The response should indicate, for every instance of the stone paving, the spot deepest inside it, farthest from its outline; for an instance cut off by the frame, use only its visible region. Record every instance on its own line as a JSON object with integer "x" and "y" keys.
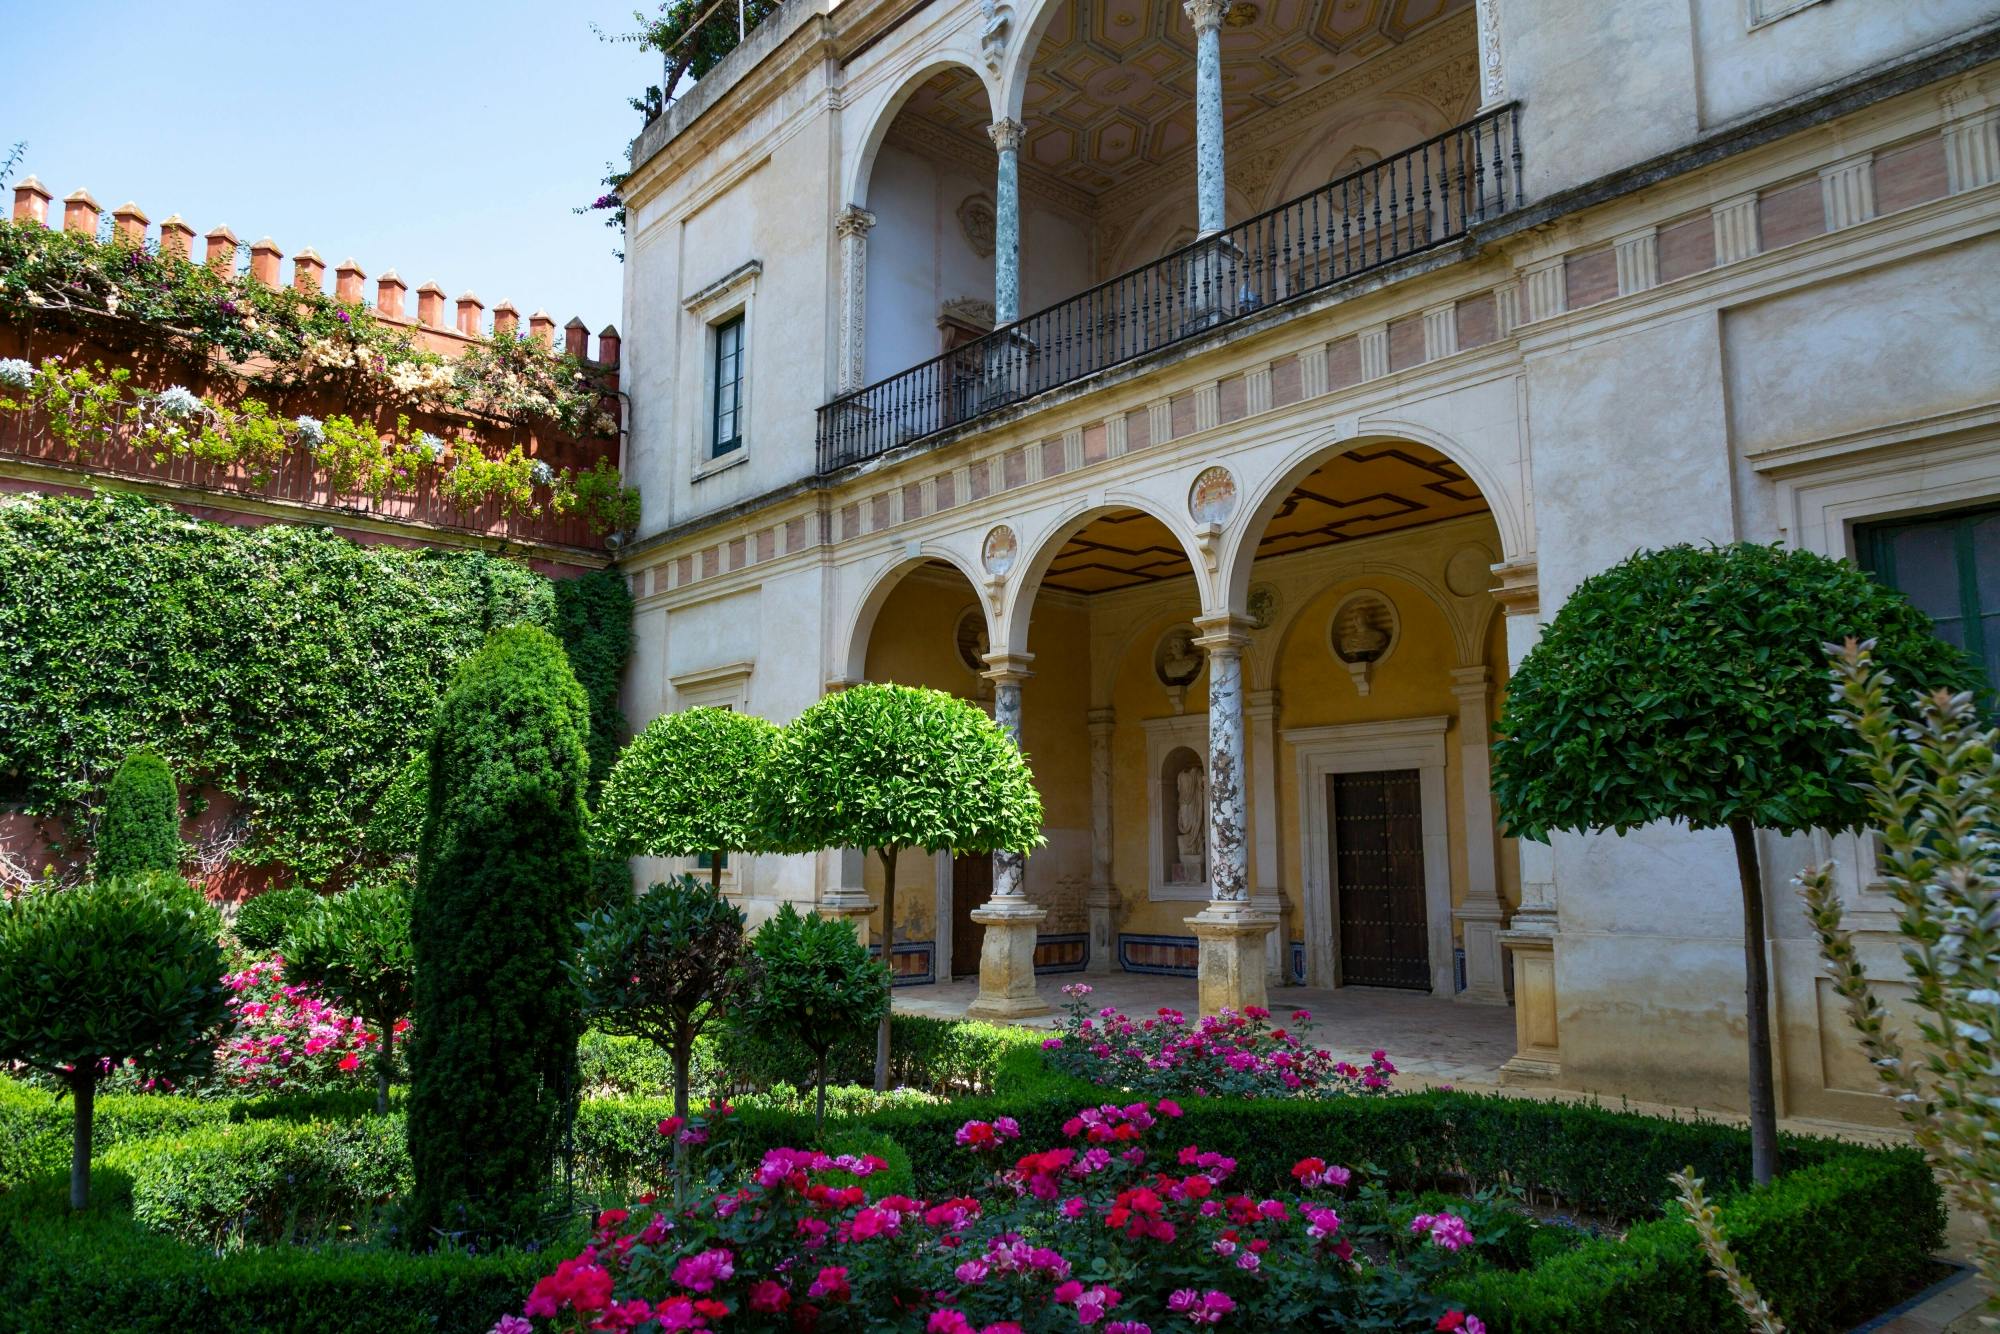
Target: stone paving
{"x": 1435, "y": 1040}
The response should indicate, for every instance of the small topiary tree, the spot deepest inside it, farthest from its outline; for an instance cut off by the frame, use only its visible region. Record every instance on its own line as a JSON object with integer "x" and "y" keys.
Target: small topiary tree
{"x": 355, "y": 947}
{"x": 109, "y": 971}
{"x": 264, "y": 919}
{"x": 141, "y": 827}
{"x": 687, "y": 786}
{"x": 1687, "y": 684}
{"x": 896, "y": 767}
{"x": 500, "y": 879}
{"x": 811, "y": 982}
{"x": 1933, "y": 788}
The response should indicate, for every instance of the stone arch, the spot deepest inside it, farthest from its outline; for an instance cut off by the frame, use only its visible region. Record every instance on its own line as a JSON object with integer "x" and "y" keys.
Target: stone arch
{"x": 853, "y": 659}
{"x": 1031, "y": 21}
{"x": 1231, "y": 583}
{"x": 883, "y": 108}
{"x": 1045, "y": 545}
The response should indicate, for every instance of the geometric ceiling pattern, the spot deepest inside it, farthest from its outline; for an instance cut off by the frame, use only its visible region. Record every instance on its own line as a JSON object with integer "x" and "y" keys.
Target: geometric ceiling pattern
{"x": 1365, "y": 493}
{"x": 1111, "y": 90}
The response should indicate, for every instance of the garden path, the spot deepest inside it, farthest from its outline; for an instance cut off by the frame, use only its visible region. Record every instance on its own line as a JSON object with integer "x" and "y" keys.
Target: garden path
{"x": 1434, "y": 1039}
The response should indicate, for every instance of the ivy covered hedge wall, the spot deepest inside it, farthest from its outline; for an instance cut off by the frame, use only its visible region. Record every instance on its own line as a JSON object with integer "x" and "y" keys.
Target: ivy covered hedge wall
{"x": 286, "y": 666}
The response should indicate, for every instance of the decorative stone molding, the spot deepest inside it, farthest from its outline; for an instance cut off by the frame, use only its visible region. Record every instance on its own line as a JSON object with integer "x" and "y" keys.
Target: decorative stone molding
{"x": 1006, "y": 135}
{"x": 1506, "y": 309}
{"x": 1206, "y": 15}
{"x": 1440, "y": 330}
{"x": 1481, "y": 914}
{"x": 1735, "y": 222}
{"x": 1361, "y": 633}
{"x": 1638, "y": 258}
{"x": 1971, "y": 138}
{"x": 1548, "y": 293}
{"x": 1847, "y": 191}
{"x": 1519, "y": 589}
{"x": 851, "y": 225}
{"x": 978, "y": 220}
{"x": 1374, "y": 345}
{"x": 995, "y": 21}
{"x": 1492, "y": 71}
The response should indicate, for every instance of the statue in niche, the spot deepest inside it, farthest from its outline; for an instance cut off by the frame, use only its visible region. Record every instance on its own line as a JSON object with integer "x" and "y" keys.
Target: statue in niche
{"x": 1190, "y": 819}
{"x": 1180, "y": 660}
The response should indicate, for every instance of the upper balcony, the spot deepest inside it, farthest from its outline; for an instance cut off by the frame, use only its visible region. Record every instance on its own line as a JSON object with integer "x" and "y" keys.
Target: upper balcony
{"x": 1355, "y": 139}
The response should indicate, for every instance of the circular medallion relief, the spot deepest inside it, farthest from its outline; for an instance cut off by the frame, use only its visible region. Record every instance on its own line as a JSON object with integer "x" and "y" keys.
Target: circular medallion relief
{"x": 1262, "y": 605}
{"x": 1212, "y": 498}
{"x": 1177, "y": 660}
{"x": 1363, "y": 629}
{"x": 970, "y": 639}
{"x": 1469, "y": 571}
{"x": 997, "y": 552}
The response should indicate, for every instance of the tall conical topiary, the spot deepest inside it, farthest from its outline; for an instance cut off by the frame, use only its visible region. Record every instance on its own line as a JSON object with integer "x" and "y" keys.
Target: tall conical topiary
{"x": 501, "y": 876}
{"x": 141, "y": 828}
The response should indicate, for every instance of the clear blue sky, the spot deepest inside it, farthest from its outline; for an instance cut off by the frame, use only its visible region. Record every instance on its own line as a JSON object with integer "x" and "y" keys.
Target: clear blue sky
{"x": 447, "y": 139}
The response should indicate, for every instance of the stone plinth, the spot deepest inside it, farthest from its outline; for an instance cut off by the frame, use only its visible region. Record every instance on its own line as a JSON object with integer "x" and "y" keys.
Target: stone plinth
{"x": 1007, "y": 961}
{"x": 852, "y": 906}
{"x": 1538, "y": 1055}
{"x": 1232, "y": 959}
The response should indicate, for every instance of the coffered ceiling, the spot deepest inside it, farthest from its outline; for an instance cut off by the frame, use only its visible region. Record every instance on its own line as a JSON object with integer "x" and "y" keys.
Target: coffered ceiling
{"x": 1111, "y": 94}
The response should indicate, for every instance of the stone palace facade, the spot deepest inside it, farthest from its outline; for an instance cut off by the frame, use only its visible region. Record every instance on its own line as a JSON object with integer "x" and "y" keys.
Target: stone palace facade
{"x": 1225, "y": 392}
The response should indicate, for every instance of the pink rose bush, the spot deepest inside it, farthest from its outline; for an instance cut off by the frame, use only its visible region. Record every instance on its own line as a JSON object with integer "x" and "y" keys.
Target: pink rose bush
{"x": 1103, "y": 1232}
{"x": 288, "y": 1039}
{"x": 1228, "y": 1054}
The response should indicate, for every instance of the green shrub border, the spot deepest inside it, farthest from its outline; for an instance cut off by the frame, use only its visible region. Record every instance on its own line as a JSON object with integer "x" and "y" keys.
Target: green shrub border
{"x": 1843, "y": 1235}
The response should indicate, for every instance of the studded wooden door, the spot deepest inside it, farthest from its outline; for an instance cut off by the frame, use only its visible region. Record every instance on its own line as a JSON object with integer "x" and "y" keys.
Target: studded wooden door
{"x": 1378, "y": 868}
{"x": 971, "y": 885}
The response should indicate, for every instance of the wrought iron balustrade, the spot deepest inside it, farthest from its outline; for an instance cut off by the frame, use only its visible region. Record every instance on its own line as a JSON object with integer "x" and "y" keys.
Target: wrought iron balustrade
{"x": 1421, "y": 197}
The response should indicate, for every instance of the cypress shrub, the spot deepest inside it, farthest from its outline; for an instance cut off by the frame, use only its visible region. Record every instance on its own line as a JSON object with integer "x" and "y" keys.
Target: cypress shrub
{"x": 141, "y": 828}
{"x": 502, "y": 872}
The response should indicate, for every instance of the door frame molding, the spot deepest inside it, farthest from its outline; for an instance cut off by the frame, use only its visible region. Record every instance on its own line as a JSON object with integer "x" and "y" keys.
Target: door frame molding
{"x": 1406, "y": 743}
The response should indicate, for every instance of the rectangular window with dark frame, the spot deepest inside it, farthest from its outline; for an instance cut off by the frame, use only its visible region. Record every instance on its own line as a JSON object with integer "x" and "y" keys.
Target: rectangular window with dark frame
{"x": 726, "y": 426}
{"x": 1949, "y": 565}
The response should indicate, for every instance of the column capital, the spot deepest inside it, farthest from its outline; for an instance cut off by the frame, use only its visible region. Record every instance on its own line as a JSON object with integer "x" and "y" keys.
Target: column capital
{"x": 1519, "y": 591}
{"x": 833, "y": 685}
{"x": 853, "y": 220}
{"x": 1101, "y": 721}
{"x": 1470, "y": 682}
{"x": 1008, "y": 668}
{"x": 1260, "y": 703}
{"x": 1224, "y": 632}
{"x": 1006, "y": 134}
{"x": 1206, "y": 15}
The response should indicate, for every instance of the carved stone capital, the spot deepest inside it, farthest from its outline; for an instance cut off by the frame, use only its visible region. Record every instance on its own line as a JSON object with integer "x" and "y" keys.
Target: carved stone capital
{"x": 853, "y": 221}
{"x": 1206, "y": 15}
{"x": 1006, "y": 135}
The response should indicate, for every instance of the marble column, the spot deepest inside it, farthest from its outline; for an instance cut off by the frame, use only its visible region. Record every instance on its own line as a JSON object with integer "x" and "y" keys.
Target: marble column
{"x": 1231, "y": 931}
{"x": 1006, "y": 135}
{"x": 1481, "y": 915}
{"x": 1531, "y": 938}
{"x": 851, "y": 226}
{"x": 1007, "y": 950}
{"x": 1261, "y": 711}
{"x": 1207, "y": 16}
{"x": 1101, "y": 899}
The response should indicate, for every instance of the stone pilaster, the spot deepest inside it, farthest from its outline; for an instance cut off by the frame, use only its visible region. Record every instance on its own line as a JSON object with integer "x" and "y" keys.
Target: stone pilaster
{"x": 1481, "y": 915}
{"x": 1207, "y": 16}
{"x": 846, "y": 892}
{"x": 1971, "y": 139}
{"x": 1231, "y": 931}
{"x": 851, "y": 226}
{"x": 1637, "y": 255}
{"x": 1007, "y": 952}
{"x": 1735, "y": 221}
{"x": 1548, "y": 292}
{"x": 1847, "y": 191}
{"x": 1101, "y": 899}
{"x": 1006, "y": 135}
{"x": 1492, "y": 72}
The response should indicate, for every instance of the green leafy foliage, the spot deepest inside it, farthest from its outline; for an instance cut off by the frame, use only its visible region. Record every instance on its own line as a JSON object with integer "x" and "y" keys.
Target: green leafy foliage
{"x": 593, "y": 618}
{"x": 660, "y": 966}
{"x": 693, "y": 36}
{"x": 396, "y": 825}
{"x": 1687, "y": 684}
{"x": 355, "y": 947}
{"x": 501, "y": 879}
{"x": 885, "y": 766}
{"x": 812, "y": 981}
{"x": 687, "y": 785}
{"x": 263, "y": 920}
{"x": 141, "y": 828}
{"x": 284, "y": 666}
{"x": 111, "y": 971}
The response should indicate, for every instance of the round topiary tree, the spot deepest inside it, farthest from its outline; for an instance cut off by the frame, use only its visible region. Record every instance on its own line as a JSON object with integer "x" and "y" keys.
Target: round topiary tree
{"x": 141, "y": 827}
{"x": 891, "y": 768}
{"x": 1690, "y": 684}
{"x": 686, "y": 787}
{"x": 501, "y": 875}
{"x": 811, "y": 981}
{"x": 113, "y": 970}
{"x": 355, "y": 947}
{"x": 263, "y": 920}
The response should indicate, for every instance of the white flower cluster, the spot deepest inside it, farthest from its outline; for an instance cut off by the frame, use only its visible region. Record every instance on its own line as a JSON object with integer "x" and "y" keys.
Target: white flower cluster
{"x": 312, "y": 431}
{"x": 178, "y": 401}
{"x": 333, "y": 355}
{"x": 542, "y": 474}
{"x": 431, "y": 446}
{"x": 16, "y": 373}
{"x": 417, "y": 378}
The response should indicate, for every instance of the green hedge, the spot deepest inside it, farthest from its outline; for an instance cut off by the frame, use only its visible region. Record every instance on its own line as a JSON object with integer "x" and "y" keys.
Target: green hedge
{"x": 35, "y": 1126}
{"x": 102, "y": 1270}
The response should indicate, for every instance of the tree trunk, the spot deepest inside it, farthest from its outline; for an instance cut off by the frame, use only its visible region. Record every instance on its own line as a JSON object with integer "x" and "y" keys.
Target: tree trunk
{"x": 384, "y": 1058}
{"x": 889, "y": 962}
{"x": 819, "y": 1116}
{"x": 83, "y": 1094}
{"x": 715, "y": 871}
{"x": 1757, "y": 1000}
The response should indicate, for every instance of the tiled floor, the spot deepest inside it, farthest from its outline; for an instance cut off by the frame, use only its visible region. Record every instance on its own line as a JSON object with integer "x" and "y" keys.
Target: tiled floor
{"x": 1436, "y": 1039}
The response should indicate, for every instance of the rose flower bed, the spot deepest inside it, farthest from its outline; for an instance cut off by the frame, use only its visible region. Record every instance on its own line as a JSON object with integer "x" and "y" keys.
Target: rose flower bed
{"x": 1097, "y": 1232}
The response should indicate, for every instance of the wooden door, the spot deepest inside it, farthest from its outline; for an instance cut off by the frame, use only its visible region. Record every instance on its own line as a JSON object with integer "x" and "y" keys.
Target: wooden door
{"x": 971, "y": 885}
{"x": 1378, "y": 868}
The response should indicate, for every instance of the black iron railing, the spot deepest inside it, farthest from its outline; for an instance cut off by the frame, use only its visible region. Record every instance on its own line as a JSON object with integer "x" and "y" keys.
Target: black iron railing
{"x": 1419, "y": 198}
